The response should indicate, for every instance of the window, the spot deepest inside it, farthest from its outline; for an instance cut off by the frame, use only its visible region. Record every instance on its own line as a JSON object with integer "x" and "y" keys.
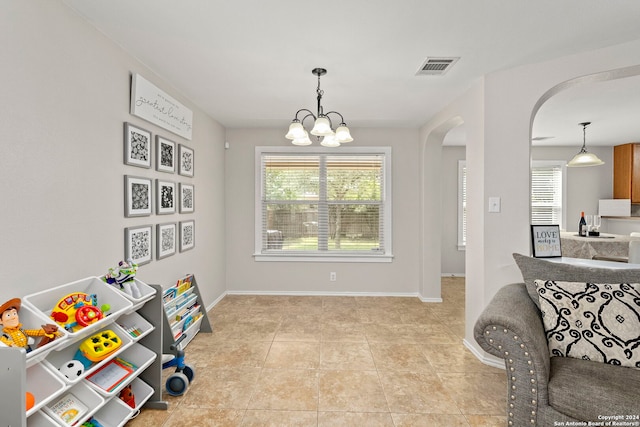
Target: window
{"x": 547, "y": 192}
{"x": 323, "y": 205}
{"x": 462, "y": 205}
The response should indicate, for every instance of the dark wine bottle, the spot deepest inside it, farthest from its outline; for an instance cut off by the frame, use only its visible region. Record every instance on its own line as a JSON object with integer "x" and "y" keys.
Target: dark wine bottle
{"x": 582, "y": 226}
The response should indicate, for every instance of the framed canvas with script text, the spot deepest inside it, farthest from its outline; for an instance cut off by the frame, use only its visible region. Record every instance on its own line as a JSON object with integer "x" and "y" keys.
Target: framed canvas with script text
{"x": 154, "y": 105}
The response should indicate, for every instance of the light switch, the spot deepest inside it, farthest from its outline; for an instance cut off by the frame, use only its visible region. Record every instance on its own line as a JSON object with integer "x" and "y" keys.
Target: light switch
{"x": 494, "y": 204}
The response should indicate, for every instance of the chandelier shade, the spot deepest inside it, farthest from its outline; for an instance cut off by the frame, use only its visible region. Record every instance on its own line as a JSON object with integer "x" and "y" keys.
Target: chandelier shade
{"x": 296, "y": 130}
{"x": 302, "y": 140}
{"x": 322, "y": 125}
{"x": 584, "y": 158}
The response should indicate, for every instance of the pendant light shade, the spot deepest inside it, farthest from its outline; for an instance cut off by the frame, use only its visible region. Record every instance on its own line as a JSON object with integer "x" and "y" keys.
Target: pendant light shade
{"x": 342, "y": 134}
{"x": 322, "y": 126}
{"x": 295, "y": 130}
{"x": 330, "y": 141}
{"x": 303, "y": 140}
{"x": 584, "y": 158}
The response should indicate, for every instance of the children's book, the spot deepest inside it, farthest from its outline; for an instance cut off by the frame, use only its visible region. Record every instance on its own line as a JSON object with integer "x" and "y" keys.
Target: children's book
{"x": 67, "y": 409}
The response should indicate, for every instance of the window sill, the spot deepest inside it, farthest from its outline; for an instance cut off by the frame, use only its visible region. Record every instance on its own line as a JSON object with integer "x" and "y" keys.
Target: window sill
{"x": 321, "y": 258}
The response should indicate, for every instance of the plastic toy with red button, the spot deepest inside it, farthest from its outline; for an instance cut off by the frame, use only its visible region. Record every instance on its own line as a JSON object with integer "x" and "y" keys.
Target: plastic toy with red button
{"x": 77, "y": 310}
{"x": 97, "y": 347}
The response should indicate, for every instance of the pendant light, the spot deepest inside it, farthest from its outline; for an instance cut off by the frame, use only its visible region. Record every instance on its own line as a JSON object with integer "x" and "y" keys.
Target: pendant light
{"x": 322, "y": 126}
{"x": 584, "y": 158}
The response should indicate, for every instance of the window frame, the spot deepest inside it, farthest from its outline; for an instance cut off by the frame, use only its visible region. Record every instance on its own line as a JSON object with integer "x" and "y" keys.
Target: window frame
{"x": 563, "y": 203}
{"x": 462, "y": 179}
{"x": 330, "y": 256}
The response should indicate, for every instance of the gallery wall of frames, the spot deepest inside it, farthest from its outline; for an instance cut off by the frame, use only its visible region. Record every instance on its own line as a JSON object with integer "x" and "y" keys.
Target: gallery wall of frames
{"x": 168, "y": 192}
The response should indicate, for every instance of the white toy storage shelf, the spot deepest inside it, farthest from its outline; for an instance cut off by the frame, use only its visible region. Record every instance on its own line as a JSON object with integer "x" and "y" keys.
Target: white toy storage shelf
{"x": 132, "y": 322}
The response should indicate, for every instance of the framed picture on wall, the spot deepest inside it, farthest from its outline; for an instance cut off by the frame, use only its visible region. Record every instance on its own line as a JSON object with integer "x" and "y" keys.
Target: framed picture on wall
{"x": 187, "y": 193}
{"x": 137, "y": 196}
{"x": 165, "y": 197}
{"x": 185, "y": 160}
{"x": 138, "y": 243}
{"x": 137, "y": 146}
{"x": 165, "y": 155}
{"x": 546, "y": 241}
{"x": 187, "y": 235}
{"x": 166, "y": 238}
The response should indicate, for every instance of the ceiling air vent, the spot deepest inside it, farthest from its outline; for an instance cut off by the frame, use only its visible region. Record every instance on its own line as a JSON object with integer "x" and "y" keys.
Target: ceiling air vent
{"x": 436, "y": 66}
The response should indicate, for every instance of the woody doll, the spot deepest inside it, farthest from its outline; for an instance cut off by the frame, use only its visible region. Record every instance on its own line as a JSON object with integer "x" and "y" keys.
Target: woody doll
{"x": 13, "y": 335}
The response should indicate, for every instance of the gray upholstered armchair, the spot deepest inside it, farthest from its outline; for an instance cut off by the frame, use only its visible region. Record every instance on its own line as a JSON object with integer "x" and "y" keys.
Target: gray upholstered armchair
{"x": 551, "y": 391}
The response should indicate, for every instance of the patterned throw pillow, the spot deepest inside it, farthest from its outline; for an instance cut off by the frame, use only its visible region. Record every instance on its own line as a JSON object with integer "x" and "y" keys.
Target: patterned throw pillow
{"x": 599, "y": 322}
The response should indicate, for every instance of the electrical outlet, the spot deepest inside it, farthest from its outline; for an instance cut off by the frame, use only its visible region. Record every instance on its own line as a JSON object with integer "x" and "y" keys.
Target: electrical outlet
{"x": 332, "y": 276}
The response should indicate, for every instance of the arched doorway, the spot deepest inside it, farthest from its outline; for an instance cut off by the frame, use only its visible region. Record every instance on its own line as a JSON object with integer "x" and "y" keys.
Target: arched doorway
{"x": 608, "y": 99}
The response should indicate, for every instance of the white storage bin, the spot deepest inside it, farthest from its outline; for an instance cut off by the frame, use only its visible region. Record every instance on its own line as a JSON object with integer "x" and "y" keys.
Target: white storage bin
{"x": 44, "y": 385}
{"x": 142, "y": 391}
{"x": 45, "y": 301}
{"x": 146, "y": 293}
{"x": 139, "y": 356}
{"x": 87, "y": 397}
{"x": 133, "y": 321}
{"x": 40, "y": 419}
{"x": 58, "y": 358}
{"x": 115, "y": 413}
{"x": 31, "y": 318}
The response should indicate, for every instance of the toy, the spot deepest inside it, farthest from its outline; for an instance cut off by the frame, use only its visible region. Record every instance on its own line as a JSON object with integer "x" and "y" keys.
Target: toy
{"x": 123, "y": 278}
{"x": 30, "y": 400}
{"x": 177, "y": 382}
{"x": 78, "y": 310}
{"x": 126, "y": 395}
{"x": 13, "y": 335}
{"x": 97, "y": 347}
{"x": 72, "y": 369}
{"x": 91, "y": 423}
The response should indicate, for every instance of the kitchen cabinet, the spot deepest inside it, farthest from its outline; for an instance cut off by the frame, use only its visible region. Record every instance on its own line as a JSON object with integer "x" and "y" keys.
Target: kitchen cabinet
{"x": 626, "y": 172}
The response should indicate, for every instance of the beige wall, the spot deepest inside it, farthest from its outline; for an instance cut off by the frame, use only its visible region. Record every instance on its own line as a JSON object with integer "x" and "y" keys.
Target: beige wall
{"x": 245, "y": 274}
{"x": 65, "y": 97}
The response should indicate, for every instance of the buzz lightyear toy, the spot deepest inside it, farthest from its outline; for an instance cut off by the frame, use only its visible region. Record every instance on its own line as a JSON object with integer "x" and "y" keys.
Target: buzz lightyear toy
{"x": 123, "y": 276}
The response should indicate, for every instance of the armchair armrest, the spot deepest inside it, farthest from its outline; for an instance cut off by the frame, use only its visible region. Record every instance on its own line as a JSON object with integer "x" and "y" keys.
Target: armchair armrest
{"x": 510, "y": 327}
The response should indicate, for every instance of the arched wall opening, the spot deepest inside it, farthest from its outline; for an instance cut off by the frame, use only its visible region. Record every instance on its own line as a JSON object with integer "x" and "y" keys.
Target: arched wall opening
{"x": 598, "y": 180}
{"x": 431, "y": 270}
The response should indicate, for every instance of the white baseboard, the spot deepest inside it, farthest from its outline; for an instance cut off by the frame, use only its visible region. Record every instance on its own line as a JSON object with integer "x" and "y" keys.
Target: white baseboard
{"x": 423, "y": 299}
{"x": 213, "y": 304}
{"x": 452, "y": 275}
{"x": 487, "y": 359}
{"x": 324, "y": 294}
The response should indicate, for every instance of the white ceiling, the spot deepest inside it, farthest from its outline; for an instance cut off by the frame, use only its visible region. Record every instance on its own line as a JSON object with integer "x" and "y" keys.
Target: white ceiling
{"x": 248, "y": 63}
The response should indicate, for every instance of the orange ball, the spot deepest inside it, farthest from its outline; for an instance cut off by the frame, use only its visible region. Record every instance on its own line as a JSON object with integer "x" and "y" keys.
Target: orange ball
{"x": 30, "y": 400}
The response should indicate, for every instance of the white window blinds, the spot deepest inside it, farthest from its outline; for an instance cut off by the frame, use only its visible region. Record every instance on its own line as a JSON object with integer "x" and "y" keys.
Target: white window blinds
{"x": 547, "y": 193}
{"x": 323, "y": 203}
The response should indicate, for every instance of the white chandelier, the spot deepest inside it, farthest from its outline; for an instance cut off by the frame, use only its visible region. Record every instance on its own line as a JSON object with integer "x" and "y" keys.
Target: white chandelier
{"x": 322, "y": 126}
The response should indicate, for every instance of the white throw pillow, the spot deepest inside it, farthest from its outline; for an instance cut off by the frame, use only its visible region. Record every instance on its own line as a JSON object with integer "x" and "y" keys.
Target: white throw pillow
{"x": 599, "y": 322}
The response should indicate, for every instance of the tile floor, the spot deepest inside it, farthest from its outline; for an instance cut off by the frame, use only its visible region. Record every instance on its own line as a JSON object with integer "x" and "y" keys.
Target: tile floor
{"x": 336, "y": 361}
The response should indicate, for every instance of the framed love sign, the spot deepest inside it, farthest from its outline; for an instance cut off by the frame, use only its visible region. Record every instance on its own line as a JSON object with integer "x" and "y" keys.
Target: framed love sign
{"x": 546, "y": 241}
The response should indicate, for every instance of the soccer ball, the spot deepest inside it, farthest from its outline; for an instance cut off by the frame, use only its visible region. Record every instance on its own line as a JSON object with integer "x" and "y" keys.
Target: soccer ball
{"x": 72, "y": 369}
